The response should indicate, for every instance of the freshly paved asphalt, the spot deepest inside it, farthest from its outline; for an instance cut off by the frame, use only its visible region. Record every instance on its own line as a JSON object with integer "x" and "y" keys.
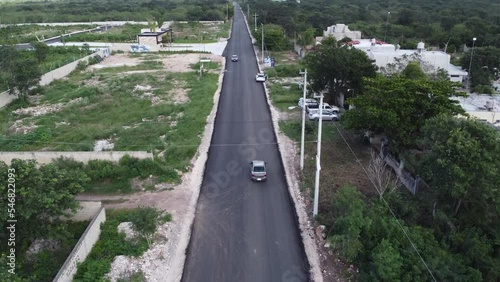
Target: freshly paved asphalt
{"x": 243, "y": 230}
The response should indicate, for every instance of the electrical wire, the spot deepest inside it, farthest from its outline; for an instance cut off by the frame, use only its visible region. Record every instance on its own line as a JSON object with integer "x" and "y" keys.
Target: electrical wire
{"x": 387, "y": 204}
{"x": 166, "y": 145}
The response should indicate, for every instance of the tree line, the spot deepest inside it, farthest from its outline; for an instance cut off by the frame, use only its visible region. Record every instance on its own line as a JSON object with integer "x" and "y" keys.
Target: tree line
{"x": 110, "y": 10}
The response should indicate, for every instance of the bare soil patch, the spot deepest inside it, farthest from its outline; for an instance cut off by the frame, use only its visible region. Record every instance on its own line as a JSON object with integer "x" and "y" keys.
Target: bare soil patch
{"x": 117, "y": 60}
{"x": 45, "y": 109}
{"x": 182, "y": 62}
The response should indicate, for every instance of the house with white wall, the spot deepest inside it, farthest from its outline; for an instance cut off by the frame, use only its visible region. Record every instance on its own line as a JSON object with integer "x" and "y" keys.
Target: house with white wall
{"x": 385, "y": 54}
{"x": 339, "y": 31}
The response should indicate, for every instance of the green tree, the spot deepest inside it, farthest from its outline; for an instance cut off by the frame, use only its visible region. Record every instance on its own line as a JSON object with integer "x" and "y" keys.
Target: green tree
{"x": 485, "y": 65}
{"x": 413, "y": 71}
{"x": 387, "y": 261}
{"x": 42, "y": 196}
{"x": 306, "y": 37}
{"x": 398, "y": 107}
{"x": 463, "y": 169}
{"x": 274, "y": 38}
{"x": 17, "y": 72}
{"x": 145, "y": 221}
{"x": 41, "y": 51}
{"x": 338, "y": 69}
{"x": 348, "y": 208}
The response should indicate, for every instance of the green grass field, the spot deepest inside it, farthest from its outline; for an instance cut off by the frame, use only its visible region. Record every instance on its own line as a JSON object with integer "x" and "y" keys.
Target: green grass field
{"x": 108, "y": 107}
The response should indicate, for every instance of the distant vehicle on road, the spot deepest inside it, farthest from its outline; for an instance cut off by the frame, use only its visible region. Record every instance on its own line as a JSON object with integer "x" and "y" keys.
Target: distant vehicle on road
{"x": 260, "y": 77}
{"x": 258, "y": 170}
{"x": 234, "y": 58}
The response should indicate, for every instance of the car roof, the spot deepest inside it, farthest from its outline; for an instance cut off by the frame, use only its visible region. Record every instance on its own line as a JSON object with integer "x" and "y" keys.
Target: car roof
{"x": 258, "y": 163}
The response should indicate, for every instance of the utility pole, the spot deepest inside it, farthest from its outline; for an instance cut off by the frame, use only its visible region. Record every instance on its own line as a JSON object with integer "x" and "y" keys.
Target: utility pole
{"x": 386, "y": 25}
{"x": 446, "y": 45}
{"x": 469, "y": 76}
{"x": 262, "y": 26}
{"x": 302, "y": 137}
{"x": 248, "y": 12}
{"x": 227, "y": 12}
{"x": 318, "y": 158}
{"x": 255, "y": 21}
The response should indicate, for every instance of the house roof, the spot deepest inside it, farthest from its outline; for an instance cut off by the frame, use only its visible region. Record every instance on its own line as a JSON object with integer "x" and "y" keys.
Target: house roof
{"x": 157, "y": 33}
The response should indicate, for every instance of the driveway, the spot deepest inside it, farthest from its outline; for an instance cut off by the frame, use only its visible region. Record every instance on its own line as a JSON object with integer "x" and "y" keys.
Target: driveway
{"x": 243, "y": 230}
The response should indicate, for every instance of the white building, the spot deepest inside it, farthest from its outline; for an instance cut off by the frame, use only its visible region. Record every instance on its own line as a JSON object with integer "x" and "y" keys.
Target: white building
{"x": 339, "y": 31}
{"x": 482, "y": 107}
{"x": 385, "y": 54}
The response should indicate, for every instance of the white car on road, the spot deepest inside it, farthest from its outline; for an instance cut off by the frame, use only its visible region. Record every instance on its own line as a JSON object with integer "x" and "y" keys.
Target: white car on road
{"x": 260, "y": 77}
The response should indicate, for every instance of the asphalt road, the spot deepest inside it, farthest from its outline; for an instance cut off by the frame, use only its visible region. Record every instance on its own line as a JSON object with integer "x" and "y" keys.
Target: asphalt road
{"x": 244, "y": 230}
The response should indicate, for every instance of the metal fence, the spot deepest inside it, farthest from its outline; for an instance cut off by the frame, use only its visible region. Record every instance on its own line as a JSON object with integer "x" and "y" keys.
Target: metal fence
{"x": 407, "y": 179}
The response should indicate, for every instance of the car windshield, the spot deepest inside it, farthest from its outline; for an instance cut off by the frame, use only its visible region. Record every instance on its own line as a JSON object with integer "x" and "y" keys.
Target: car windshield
{"x": 259, "y": 169}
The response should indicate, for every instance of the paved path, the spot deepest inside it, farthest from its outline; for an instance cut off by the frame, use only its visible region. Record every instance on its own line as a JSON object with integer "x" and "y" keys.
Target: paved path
{"x": 243, "y": 230}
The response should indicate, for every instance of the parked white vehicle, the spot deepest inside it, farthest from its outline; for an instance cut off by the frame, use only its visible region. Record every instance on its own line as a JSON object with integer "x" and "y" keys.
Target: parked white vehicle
{"x": 260, "y": 77}
{"x": 326, "y": 108}
{"x": 314, "y": 115}
{"x": 309, "y": 101}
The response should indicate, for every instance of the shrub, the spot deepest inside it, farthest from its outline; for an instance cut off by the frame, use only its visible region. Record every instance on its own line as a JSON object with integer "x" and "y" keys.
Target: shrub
{"x": 285, "y": 71}
{"x": 134, "y": 167}
{"x": 82, "y": 65}
{"x": 100, "y": 170}
{"x": 111, "y": 243}
{"x": 146, "y": 219}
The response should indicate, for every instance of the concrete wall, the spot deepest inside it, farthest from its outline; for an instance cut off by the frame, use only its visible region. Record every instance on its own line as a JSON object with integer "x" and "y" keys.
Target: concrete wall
{"x": 6, "y": 98}
{"x": 47, "y": 157}
{"x": 67, "y": 69}
{"x": 82, "y": 248}
{"x": 87, "y": 210}
{"x": 150, "y": 41}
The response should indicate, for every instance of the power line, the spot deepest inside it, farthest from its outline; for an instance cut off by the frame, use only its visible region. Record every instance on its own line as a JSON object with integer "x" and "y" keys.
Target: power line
{"x": 387, "y": 204}
{"x": 166, "y": 145}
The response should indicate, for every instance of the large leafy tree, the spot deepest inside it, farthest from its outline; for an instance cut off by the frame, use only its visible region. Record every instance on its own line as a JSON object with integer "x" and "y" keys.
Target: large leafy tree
{"x": 338, "y": 69}
{"x": 485, "y": 65}
{"x": 398, "y": 107}
{"x": 19, "y": 73}
{"x": 42, "y": 195}
{"x": 274, "y": 38}
{"x": 463, "y": 169}
{"x": 41, "y": 51}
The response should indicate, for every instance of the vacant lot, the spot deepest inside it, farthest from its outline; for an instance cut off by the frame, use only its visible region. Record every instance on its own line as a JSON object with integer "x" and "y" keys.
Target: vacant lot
{"x": 124, "y": 33}
{"x": 196, "y": 32}
{"x": 56, "y": 57}
{"x": 145, "y": 102}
